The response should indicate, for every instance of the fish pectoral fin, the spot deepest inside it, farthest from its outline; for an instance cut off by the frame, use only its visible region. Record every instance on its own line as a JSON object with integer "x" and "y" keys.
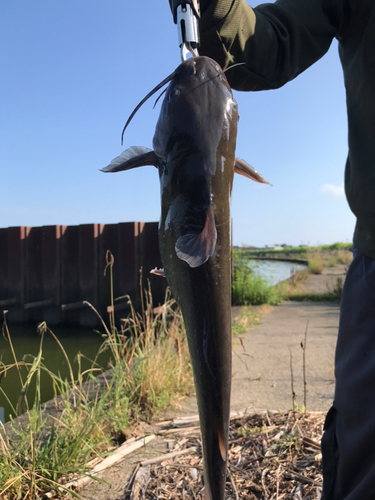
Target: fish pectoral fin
{"x": 197, "y": 248}
{"x": 158, "y": 272}
{"x": 243, "y": 168}
{"x": 133, "y": 157}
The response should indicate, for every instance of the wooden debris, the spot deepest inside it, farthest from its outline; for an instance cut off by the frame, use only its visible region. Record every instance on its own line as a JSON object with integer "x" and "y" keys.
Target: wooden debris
{"x": 302, "y": 479}
{"x": 116, "y": 456}
{"x": 272, "y": 455}
{"x": 194, "y": 419}
{"x": 233, "y": 485}
{"x": 182, "y": 430}
{"x": 310, "y": 442}
{"x": 140, "y": 483}
{"x": 168, "y": 456}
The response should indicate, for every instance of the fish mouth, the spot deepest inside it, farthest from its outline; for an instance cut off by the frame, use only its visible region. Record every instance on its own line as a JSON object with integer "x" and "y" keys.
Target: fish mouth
{"x": 192, "y": 64}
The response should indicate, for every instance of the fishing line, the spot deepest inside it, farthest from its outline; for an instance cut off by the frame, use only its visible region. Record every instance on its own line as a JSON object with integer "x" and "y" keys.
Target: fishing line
{"x": 233, "y": 66}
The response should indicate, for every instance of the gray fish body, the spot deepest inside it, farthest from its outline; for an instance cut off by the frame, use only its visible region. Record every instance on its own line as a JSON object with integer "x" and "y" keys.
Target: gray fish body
{"x": 197, "y": 145}
{"x": 194, "y": 151}
{"x": 201, "y": 293}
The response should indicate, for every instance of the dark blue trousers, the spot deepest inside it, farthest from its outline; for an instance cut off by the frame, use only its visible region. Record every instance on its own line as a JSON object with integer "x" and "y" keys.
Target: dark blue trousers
{"x": 348, "y": 444}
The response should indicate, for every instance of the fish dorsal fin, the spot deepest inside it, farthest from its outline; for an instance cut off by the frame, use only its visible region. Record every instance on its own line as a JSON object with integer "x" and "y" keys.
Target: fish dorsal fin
{"x": 243, "y": 168}
{"x": 133, "y": 157}
{"x": 197, "y": 248}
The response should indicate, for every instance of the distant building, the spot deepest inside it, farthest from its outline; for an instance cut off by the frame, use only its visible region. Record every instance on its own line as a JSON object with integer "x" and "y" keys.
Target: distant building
{"x": 243, "y": 247}
{"x": 273, "y": 247}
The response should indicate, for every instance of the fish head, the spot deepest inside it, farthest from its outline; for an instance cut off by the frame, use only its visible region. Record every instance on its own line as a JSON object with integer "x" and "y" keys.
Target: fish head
{"x": 195, "y": 141}
{"x": 198, "y": 108}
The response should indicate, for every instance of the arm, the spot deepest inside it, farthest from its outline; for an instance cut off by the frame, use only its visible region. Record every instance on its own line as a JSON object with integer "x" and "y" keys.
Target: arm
{"x": 277, "y": 41}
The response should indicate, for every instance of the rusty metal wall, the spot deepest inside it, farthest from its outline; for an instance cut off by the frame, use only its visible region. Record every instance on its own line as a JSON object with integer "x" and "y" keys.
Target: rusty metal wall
{"x": 47, "y": 272}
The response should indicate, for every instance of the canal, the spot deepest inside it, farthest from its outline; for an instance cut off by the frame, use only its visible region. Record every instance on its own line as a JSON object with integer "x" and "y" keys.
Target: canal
{"x": 26, "y": 343}
{"x": 275, "y": 270}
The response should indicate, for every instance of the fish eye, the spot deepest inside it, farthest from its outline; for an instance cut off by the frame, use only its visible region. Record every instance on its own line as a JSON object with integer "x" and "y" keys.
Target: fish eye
{"x": 174, "y": 93}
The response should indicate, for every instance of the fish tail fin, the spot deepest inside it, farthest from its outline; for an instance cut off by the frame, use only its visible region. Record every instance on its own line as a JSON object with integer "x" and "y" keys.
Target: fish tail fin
{"x": 197, "y": 248}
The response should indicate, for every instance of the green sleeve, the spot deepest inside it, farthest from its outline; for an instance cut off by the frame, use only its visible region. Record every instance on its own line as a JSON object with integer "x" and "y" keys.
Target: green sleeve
{"x": 277, "y": 41}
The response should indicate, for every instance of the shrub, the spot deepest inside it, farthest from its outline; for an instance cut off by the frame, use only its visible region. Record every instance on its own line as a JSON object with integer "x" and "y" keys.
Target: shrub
{"x": 344, "y": 257}
{"x": 331, "y": 261}
{"x": 251, "y": 289}
{"x": 315, "y": 263}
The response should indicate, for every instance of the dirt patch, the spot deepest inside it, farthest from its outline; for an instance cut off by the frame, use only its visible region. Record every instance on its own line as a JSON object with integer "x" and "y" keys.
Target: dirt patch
{"x": 327, "y": 281}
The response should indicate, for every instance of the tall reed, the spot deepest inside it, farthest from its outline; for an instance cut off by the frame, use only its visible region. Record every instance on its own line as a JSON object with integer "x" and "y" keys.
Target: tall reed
{"x": 149, "y": 369}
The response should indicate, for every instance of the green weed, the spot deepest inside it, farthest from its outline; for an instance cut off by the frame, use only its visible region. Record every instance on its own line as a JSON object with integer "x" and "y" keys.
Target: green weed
{"x": 248, "y": 316}
{"x": 287, "y": 252}
{"x": 245, "y": 431}
{"x": 249, "y": 288}
{"x": 315, "y": 297}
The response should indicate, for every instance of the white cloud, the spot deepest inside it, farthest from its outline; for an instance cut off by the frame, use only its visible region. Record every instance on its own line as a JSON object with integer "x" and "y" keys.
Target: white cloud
{"x": 334, "y": 191}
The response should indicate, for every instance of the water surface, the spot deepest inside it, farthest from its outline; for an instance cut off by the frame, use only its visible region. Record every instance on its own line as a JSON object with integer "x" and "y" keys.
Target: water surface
{"x": 26, "y": 343}
{"x": 275, "y": 270}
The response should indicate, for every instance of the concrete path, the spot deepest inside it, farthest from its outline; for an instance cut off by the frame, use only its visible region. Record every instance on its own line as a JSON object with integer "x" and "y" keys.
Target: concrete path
{"x": 261, "y": 358}
{"x": 261, "y": 374}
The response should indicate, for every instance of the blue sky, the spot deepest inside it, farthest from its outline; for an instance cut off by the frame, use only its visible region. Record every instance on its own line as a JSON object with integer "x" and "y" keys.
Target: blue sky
{"x": 71, "y": 71}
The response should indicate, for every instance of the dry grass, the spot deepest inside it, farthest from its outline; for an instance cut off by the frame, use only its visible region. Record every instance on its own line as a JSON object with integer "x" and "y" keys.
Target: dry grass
{"x": 150, "y": 369}
{"x": 249, "y": 316}
{"x": 295, "y": 284}
{"x": 334, "y": 257}
{"x": 315, "y": 263}
{"x": 344, "y": 257}
{"x": 160, "y": 361}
